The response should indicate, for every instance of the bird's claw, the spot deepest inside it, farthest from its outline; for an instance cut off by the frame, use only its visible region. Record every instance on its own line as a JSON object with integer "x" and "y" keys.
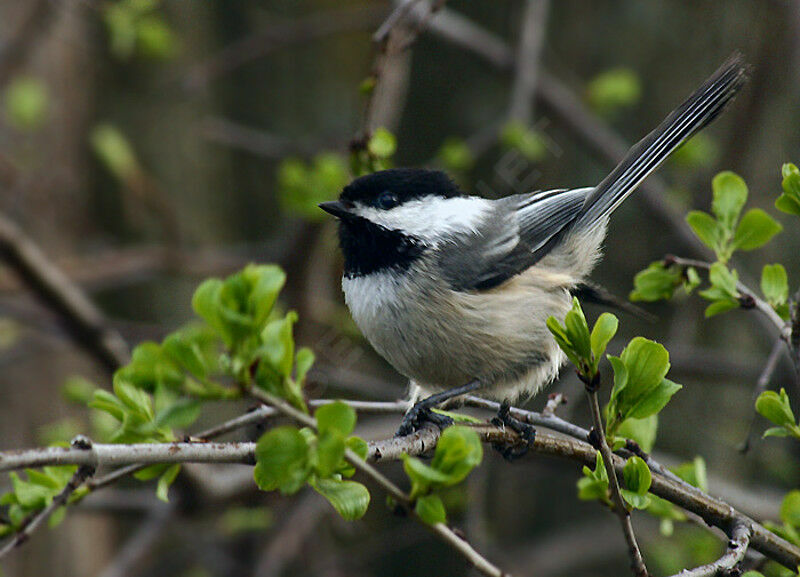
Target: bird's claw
{"x": 515, "y": 450}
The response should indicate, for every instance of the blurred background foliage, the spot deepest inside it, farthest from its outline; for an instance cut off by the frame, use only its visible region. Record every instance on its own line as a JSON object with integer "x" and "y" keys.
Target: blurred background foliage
{"x": 147, "y": 144}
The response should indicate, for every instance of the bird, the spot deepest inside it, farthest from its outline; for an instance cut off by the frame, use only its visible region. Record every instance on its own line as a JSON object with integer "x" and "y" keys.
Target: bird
{"x": 454, "y": 290}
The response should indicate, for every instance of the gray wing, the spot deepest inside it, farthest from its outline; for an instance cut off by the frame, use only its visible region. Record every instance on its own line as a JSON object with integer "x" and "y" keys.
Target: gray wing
{"x": 511, "y": 239}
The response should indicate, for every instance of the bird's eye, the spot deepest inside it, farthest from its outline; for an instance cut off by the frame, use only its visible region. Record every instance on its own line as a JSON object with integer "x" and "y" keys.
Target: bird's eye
{"x": 387, "y": 200}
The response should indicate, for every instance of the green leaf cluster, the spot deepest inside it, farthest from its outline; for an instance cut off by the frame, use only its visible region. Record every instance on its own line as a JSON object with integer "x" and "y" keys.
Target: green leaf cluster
{"x": 301, "y": 186}
{"x": 288, "y": 458}
{"x": 137, "y": 28}
{"x": 34, "y": 493}
{"x": 660, "y": 280}
{"x": 776, "y": 409}
{"x": 723, "y": 292}
{"x": 458, "y": 452}
{"x": 636, "y": 478}
{"x": 375, "y": 154}
{"x": 724, "y": 232}
{"x": 641, "y": 388}
{"x": 789, "y": 201}
{"x": 583, "y": 348}
{"x": 528, "y": 142}
{"x": 260, "y": 343}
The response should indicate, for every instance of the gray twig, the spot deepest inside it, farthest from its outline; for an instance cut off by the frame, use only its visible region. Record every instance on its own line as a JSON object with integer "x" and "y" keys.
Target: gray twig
{"x": 620, "y": 507}
{"x": 55, "y": 289}
{"x": 761, "y": 386}
{"x": 737, "y": 549}
{"x": 528, "y": 55}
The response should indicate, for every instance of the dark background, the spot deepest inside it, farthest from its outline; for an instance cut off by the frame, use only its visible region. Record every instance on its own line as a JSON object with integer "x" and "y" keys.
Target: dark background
{"x": 211, "y": 102}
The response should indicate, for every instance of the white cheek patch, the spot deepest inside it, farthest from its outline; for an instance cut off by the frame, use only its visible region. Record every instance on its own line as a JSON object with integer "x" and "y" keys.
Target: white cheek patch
{"x": 431, "y": 218}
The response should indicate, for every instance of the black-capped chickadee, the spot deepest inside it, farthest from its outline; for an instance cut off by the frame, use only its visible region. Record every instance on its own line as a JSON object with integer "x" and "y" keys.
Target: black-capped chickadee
{"x": 454, "y": 290}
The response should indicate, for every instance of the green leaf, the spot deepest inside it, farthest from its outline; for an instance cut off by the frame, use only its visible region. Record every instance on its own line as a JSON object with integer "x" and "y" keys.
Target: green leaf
{"x": 636, "y": 475}
{"x": 655, "y": 283}
{"x": 655, "y": 400}
{"x": 752, "y": 573}
{"x": 114, "y": 151}
{"x": 603, "y": 331}
{"x": 789, "y": 201}
{"x": 337, "y": 417}
{"x": 730, "y": 195}
{"x": 705, "y": 227}
{"x": 777, "y": 432}
{"x": 382, "y": 144}
{"x": 721, "y": 306}
{"x": 594, "y": 483}
{"x": 635, "y": 500}
{"x": 266, "y": 282}
{"x": 776, "y": 408}
{"x": 350, "y": 499}
{"x": 643, "y": 431}
{"x": 304, "y": 360}
{"x": 612, "y": 90}
{"x": 578, "y": 331}
{"x": 455, "y": 155}
{"x": 527, "y": 142}
{"x": 422, "y": 476}
{"x": 692, "y": 280}
{"x": 26, "y": 103}
{"x": 775, "y": 284}
{"x": 694, "y": 473}
{"x": 458, "y": 452}
{"x": 180, "y": 414}
{"x": 166, "y": 481}
{"x": 329, "y": 453}
{"x": 430, "y": 509}
{"x": 755, "y": 230}
{"x": 358, "y": 446}
{"x": 790, "y": 509}
{"x": 278, "y": 344}
{"x": 788, "y": 204}
{"x": 724, "y": 279}
{"x": 282, "y": 460}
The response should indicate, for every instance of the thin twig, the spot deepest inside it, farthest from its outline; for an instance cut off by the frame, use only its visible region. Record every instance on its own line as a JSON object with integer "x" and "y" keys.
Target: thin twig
{"x": 761, "y": 386}
{"x": 33, "y": 522}
{"x": 763, "y": 307}
{"x": 282, "y": 34}
{"x": 734, "y": 554}
{"x": 620, "y": 507}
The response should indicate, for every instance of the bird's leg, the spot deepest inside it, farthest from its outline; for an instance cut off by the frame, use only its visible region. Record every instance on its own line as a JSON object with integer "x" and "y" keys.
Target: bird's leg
{"x": 421, "y": 412}
{"x": 512, "y": 452}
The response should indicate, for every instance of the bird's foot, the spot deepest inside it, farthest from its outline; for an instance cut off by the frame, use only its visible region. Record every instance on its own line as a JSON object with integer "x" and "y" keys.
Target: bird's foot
{"x": 422, "y": 411}
{"x": 417, "y": 416}
{"x": 513, "y": 450}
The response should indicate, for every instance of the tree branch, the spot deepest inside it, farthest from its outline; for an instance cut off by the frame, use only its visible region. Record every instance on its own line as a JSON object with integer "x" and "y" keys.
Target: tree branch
{"x": 620, "y": 507}
{"x": 784, "y": 329}
{"x": 713, "y": 511}
{"x": 55, "y": 289}
{"x": 737, "y": 549}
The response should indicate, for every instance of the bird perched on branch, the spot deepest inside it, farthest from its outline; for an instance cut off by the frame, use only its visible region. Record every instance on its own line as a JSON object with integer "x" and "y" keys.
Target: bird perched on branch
{"x": 454, "y": 290}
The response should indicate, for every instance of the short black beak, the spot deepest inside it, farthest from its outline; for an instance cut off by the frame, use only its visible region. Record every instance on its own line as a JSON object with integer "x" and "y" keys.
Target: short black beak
{"x": 337, "y": 208}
